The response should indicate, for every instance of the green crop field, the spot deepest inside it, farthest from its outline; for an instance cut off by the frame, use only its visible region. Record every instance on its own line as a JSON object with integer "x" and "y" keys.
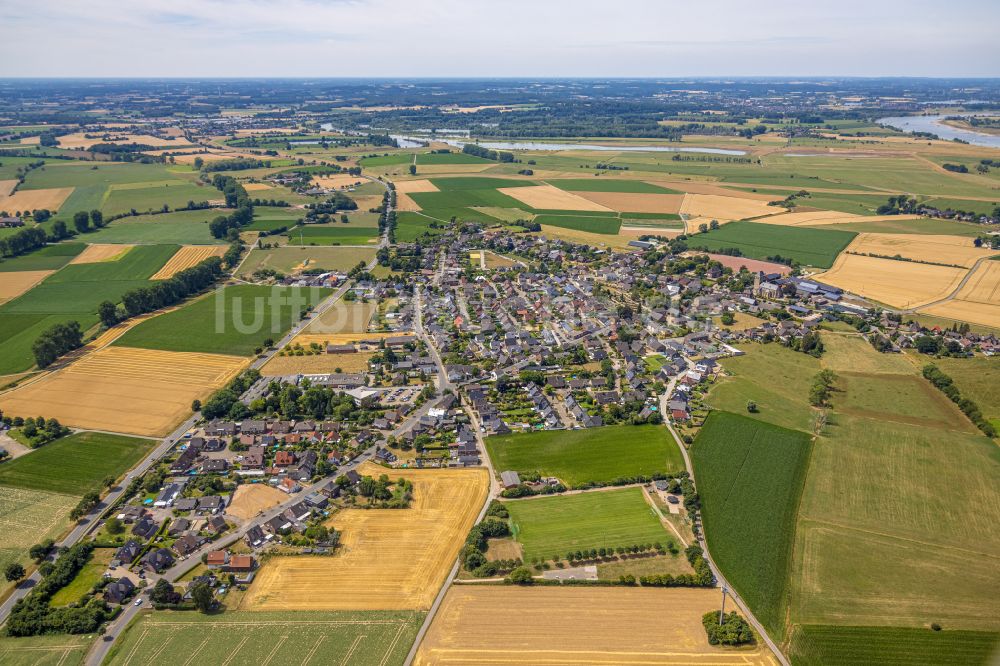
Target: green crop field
{"x": 898, "y": 482}
{"x": 75, "y": 464}
{"x": 749, "y": 477}
{"x": 72, "y": 293}
{"x": 474, "y": 183}
{"x": 234, "y": 320}
{"x": 552, "y": 526}
{"x": 411, "y": 226}
{"x": 450, "y": 158}
{"x": 48, "y": 258}
{"x": 828, "y": 645}
{"x": 174, "y": 194}
{"x": 590, "y": 455}
{"x": 387, "y": 160}
{"x": 187, "y": 227}
{"x": 59, "y": 650}
{"x": 609, "y": 185}
{"x": 361, "y": 638}
{"x": 582, "y": 222}
{"x": 813, "y": 247}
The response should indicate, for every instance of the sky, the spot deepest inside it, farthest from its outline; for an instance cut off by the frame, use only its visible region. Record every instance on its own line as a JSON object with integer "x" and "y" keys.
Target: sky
{"x": 498, "y": 38}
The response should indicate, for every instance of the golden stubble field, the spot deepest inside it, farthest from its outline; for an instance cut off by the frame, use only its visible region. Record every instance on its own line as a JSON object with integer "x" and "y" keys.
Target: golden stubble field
{"x": 251, "y": 498}
{"x": 27, "y": 200}
{"x": 938, "y": 249}
{"x": 577, "y": 626}
{"x": 629, "y": 202}
{"x": 549, "y": 197}
{"x": 16, "y": 283}
{"x": 97, "y": 253}
{"x": 389, "y": 559}
{"x": 978, "y": 301}
{"x": 901, "y": 284}
{"x": 715, "y": 206}
{"x": 121, "y": 389}
{"x": 339, "y": 180}
{"x": 186, "y": 257}
{"x": 315, "y": 364}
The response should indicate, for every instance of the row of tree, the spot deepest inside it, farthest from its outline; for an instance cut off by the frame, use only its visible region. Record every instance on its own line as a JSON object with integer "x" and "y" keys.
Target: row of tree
{"x": 487, "y": 154}
{"x": 946, "y": 385}
{"x": 164, "y": 293}
{"x": 56, "y": 341}
{"x": 33, "y": 616}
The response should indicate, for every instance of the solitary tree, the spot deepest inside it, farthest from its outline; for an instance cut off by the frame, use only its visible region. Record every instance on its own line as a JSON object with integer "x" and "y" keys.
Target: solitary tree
{"x": 201, "y": 595}
{"x": 14, "y": 572}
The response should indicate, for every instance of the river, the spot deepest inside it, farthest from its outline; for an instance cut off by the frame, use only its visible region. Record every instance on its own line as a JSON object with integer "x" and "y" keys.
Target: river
{"x": 934, "y": 125}
{"x": 415, "y": 141}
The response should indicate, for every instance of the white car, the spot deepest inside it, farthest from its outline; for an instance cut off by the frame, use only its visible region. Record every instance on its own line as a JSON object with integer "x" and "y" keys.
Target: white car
{"x": 138, "y": 602}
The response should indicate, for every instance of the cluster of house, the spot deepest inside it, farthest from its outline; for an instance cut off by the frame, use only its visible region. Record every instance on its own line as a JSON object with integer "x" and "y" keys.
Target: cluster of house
{"x": 10, "y": 222}
{"x": 294, "y": 518}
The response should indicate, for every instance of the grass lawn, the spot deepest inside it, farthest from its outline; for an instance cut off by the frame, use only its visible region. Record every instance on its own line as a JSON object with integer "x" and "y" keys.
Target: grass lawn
{"x": 552, "y": 526}
{"x": 977, "y": 378}
{"x": 829, "y": 645}
{"x": 84, "y": 581}
{"x": 75, "y": 464}
{"x": 775, "y": 377}
{"x": 175, "y": 193}
{"x": 646, "y": 566}
{"x": 450, "y": 158}
{"x": 369, "y": 638}
{"x": 590, "y": 455}
{"x": 749, "y": 476}
{"x": 812, "y": 247}
{"x": 332, "y": 234}
{"x": 292, "y": 257}
{"x": 234, "y": 321}
{"x": 58, "y": 650}
{"x": 900, "y": 398}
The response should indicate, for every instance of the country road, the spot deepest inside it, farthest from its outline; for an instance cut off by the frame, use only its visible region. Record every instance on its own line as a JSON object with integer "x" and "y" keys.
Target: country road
{"x": 699, "y": 533}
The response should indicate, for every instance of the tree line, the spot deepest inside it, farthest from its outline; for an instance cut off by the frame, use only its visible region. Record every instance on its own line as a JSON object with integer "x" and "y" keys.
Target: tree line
{"x": 56, "y": 341}
{"x": 486, "y": 153}
{"x": 946, "y": 385}
{"x": 162, "y": 293}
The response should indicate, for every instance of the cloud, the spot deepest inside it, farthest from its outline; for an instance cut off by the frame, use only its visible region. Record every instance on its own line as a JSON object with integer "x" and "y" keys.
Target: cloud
{"x": 489, "y": 38}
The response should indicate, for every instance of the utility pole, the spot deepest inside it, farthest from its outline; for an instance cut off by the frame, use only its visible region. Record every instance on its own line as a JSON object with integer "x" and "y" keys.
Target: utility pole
{"x": 722, "y": 611}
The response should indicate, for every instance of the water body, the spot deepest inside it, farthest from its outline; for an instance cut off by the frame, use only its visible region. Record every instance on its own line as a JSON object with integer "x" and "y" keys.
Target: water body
{"x": 415, "y": 142}
{"x": 934, "y": 125}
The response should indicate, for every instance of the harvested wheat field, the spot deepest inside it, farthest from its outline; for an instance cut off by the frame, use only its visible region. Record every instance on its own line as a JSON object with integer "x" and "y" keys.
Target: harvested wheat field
{"x": 825, "y": 217}
{"x": 978, "y": 301}
{"x": 570, "y": 626}
{"x": 121, "y": 389}
{"x": 389, "y": 559}
{"x": 25, "y": 200}
{"x": 305, "y": 339}
{"x": 700, "y": 187}
{"x": 186, "y": 257}
{"x": 256, "y": 187}
{"x": 252, "y": 498}
{"x": 718, "y": 207}
{"x": 339, "y": 180}
{"x": 7, "y": 186}
{"x": 577, "y": 236}
{"x": 316, "y": 364}
{"x": 342, "y": 317}
{"x": 415, "y": 186}
{"x": 16, "y": 283}
{"x": 954, "y": 250}
{"x": 97, "y": 253}
{"x": 901, "y": 284}
{"x": 80, "y": 140}
{"x": 404, "y": 188}
{"x": 626, "y": 202}
{"x": 549, "y": 197}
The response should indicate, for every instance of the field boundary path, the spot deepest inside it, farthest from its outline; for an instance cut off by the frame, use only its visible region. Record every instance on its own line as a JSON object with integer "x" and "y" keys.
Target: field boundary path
{"x": 954, "y": 292}
{"x": 700, "y": 535}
